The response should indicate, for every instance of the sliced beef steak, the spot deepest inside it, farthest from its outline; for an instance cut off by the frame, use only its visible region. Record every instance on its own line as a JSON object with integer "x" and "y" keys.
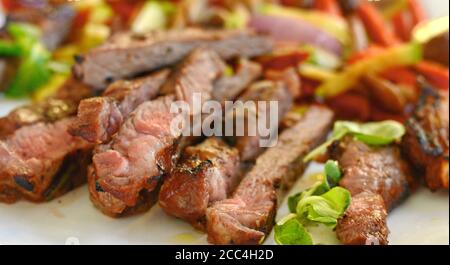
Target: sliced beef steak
{"x": 426, "y": 142}
{"x": 62, "y": 104}
{"x": 129, "y": 167}
{"x": 229, "y": 87}
{"x": 379, "y": 173}
{"x": 99, "y": 118}
{"x": 126, "y": 55}
{"x": 380, "y": 170}
{"x": 263, "y": 92}
{"x": 248, "y": 216}
{"x": 41, "y": 161}
{"x": 208, "y": 173}
{"x": 364, "y": 222}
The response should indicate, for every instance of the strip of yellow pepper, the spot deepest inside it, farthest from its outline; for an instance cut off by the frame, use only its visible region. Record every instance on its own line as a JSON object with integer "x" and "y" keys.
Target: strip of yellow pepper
{"x": 402, "y": 55}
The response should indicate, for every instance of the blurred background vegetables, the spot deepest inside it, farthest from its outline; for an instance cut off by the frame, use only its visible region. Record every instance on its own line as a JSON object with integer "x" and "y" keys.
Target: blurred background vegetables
{"x": 361, "y": 58}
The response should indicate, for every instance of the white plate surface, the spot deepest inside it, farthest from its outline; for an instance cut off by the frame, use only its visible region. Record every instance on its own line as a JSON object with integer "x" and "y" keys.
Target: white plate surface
{"x": 422, "y": 219}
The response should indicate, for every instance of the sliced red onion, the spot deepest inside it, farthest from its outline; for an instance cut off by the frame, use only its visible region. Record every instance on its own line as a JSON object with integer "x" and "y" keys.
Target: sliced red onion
{"x": 295, "y": 30}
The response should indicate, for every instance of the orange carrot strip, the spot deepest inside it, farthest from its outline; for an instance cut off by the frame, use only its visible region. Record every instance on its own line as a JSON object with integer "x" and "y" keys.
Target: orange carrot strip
{"x": 435, "y": 73}
{"x": 328, "y": 6}
{"x": 401, "y": 27}
{"x": 372, "y": 50}
{"x": 400, "y": 75}
{"x": 375, "y": 25}
{"x": 417, "y": 12}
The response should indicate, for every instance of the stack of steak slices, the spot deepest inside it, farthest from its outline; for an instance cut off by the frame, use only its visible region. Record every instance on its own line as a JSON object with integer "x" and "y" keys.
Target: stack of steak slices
{"x": 210, "y": 171}
{"x": 57, "y": 160}
{"x": 127, "y": 170}
{"x": 248, "y": 215}
{"x": 39, "y": 159}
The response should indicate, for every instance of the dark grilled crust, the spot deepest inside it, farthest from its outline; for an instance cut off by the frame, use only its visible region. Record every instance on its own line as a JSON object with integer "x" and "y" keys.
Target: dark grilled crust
{"x": 113, "y": 207}
{"x": 68, "y": 175}
{"x": 190, "y": 188}
{"x": 426, "y": 142}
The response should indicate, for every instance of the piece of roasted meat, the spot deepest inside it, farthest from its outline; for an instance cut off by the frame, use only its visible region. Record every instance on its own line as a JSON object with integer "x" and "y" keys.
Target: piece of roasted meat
{"x": 127, "y": 54}
{"x": 41, "y": 161}
{"x": 426, "y": 141}
{"x": 100, "y": 117}
{"x": 378, "y": 178}
{"x": 248, "y": 216}
{"x": 209, "y": 172}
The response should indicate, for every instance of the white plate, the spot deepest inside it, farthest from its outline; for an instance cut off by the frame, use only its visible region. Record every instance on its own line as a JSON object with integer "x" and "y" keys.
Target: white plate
{"x": 422, "y": 219}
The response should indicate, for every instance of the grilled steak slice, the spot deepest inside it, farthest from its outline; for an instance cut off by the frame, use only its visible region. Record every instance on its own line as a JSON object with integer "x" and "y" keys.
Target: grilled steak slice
{"x": 370, "y": 174}
{"x": 426, "y": 141}
{"x": 41, "y": 160}
{"x": 99, "y": 118}
{"x": 196, "y": 74}
{"x": 132, "y": 163}
{"x": 126, "y": 55}
{"x": 61, "y": 105}
{"x": 380, "y": 170}
{"x": 264, "y": 91}
{"x": 364, "y": 222}
{"x": 249, "y": 214}
{"x": 208, "y": 173}
{"x": 229, "y": 88}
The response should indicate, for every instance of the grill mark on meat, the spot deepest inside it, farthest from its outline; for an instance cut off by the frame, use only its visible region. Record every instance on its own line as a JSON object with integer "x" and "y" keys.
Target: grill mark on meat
{"x": 375, "y": 171}
{"x": 99, "y": 118}
{"x": 208, "y": 173}
{"x": 31, "y": 157}
{"x": 264, "y": 91}
{"x": 126, "y": 55}
{"x": 145, "y": 149}
{"x": 249, "y": 214}
{"x": 228, "y": 88}
{"x": 426, "y": 142}
{"x": 63, "y": 104}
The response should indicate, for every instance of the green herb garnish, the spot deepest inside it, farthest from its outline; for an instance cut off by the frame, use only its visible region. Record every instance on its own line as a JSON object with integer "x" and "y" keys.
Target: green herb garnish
{"x": 371, "y": 133}
{"x": 319, "y": 204}
{"x": 32, "y": 71}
